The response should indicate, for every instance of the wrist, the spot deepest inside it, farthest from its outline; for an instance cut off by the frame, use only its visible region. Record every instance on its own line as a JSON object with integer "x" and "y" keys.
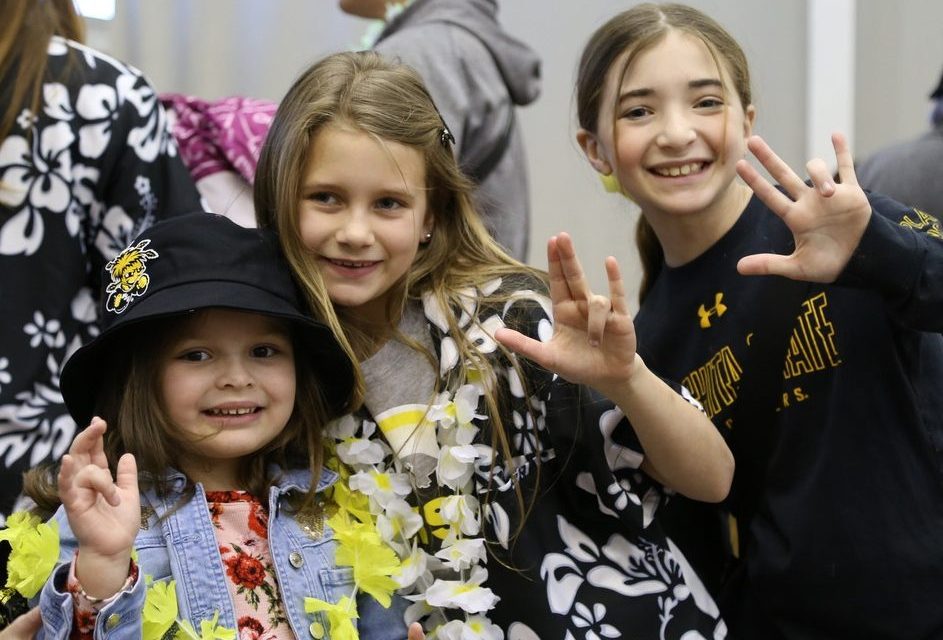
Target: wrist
{"x": 101, "y": 576}
{"x": 624, "y": 392}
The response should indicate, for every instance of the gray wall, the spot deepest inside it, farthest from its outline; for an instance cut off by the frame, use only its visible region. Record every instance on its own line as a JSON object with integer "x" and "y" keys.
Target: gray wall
{"x": 213, "y": 48}
{"x": 900, "y": 59}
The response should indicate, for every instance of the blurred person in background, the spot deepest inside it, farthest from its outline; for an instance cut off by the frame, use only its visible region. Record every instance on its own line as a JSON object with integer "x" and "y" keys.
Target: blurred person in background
{"x": 478, "y": 75}
{"x": 911, "y": 171}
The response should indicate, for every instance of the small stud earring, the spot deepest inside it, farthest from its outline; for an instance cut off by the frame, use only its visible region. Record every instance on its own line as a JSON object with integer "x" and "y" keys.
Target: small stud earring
{"x": 426, "y": 238}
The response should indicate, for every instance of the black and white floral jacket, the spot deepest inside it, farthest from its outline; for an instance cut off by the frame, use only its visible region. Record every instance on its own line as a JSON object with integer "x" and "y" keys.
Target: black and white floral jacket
{"x": 78, "y": 181}
{"x": 591, "y": 560}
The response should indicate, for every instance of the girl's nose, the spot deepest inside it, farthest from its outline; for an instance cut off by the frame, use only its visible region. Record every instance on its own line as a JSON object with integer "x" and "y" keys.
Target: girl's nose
{"x": 355, "y": 230}
{"x": 677, "y": 131}
{"x": 235, "y": 374}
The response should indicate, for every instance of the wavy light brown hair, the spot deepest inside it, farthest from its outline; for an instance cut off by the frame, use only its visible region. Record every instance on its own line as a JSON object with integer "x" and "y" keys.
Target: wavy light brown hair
{"x": 25, "y": 31}
{"x": 389, "y": 102}
{"x": 633, "y": 32}
{"x": 131, "y": 403}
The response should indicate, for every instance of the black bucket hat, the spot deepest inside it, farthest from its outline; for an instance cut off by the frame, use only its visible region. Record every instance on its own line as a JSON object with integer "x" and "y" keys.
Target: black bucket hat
{"x": 195, "y": 261}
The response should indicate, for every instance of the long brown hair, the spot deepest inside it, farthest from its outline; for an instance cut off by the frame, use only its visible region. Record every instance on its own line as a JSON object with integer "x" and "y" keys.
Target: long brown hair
{"x": 635, "y": 31}
{"x": 389, "y": 102}
{"x": 25, "y": 31}
{"x": 131, "y": 403}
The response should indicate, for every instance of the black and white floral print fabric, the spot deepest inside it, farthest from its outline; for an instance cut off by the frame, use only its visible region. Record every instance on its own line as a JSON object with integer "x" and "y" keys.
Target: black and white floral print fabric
{"x": 79, "y": 179}
{"x": 591, "y": 560}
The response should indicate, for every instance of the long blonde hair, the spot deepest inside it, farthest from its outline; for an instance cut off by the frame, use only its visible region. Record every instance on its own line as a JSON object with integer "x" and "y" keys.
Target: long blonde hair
{"x": 25, "y": 31}
{"x": 389, "y": 102}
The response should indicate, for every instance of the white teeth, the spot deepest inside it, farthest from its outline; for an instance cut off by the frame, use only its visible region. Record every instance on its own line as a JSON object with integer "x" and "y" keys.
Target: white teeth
{"x": 349, "y": 263}
{"x": 230, "y": 412}
{"x": 683, "y": 170}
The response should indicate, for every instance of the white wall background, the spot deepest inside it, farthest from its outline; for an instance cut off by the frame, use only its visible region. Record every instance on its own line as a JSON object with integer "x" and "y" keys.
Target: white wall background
{"x": 214, "y": 48}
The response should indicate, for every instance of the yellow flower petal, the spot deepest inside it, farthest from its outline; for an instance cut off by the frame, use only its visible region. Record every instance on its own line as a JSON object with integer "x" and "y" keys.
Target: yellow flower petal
{"x": 160, "y": 609}
{"x": 34, "y": 552}
{"x": 340, "y": 616}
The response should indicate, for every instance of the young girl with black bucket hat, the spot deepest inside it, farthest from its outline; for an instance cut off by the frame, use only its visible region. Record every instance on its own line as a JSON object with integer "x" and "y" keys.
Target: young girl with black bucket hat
{"x": 194, "y": 502}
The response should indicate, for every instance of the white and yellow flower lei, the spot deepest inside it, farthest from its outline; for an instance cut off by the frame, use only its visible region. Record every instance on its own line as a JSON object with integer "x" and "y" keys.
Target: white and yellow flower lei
{"x": 430, "y": 442}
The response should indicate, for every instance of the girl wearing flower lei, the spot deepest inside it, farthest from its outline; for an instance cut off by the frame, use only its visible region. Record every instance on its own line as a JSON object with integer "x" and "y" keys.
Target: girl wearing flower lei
{"x": 196, "y": 508}
{"x": 519, "y": 501}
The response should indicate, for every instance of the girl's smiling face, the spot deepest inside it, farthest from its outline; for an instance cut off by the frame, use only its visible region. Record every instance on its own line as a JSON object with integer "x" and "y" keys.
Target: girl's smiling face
{"x": 363, "y": 214}
{"x": 227, "y": 383}
{"x": 679, "y": 129}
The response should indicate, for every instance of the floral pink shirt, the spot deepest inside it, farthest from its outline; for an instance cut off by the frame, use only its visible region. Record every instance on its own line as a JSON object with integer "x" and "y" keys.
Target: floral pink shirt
{"x": 241, "y": 523}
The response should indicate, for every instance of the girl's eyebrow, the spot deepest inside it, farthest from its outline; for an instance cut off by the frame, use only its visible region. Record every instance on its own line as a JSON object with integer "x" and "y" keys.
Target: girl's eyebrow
{"x": 693, "y": 84}
{"x": 706, "y": 82}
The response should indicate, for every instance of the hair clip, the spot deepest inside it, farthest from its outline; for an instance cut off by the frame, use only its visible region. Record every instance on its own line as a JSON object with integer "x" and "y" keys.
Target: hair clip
{"x": 445, "y": 136}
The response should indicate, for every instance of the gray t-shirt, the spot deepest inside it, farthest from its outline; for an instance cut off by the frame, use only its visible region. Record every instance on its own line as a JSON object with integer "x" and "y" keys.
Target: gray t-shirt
{"x": 384, "y": 371}
{"x": 400, "y": 386}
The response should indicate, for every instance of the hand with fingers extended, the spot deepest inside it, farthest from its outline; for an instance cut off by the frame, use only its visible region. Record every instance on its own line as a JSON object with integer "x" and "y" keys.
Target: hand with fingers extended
{"x": 593, "y": 343}
{"x": 593, "y": 339}
{"x": 827, "y": 219}
{"x": 104, "y": 513}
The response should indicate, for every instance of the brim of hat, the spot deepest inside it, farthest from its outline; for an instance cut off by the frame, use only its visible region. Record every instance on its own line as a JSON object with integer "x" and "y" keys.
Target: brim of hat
{"x": 83, "y": 372}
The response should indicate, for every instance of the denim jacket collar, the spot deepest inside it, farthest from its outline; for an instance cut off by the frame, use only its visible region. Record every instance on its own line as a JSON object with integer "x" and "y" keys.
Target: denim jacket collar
{"x": 292, "y": 479}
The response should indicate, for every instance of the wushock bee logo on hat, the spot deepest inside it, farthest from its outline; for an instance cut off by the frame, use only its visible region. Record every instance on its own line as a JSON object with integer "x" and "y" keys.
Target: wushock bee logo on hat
{"x": 129, "y": 278}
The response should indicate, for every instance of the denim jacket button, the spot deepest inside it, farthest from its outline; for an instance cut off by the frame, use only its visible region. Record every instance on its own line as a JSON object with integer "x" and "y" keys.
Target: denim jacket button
{"x": 112, "y": 621}
{"x": 296, "y": 559}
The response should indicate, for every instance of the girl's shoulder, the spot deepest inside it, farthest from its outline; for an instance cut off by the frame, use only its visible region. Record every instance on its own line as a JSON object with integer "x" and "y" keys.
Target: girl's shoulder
{"x": 301, "y": 479}
{"x": 86, "y": 64}
{"x": 898, "y": 212}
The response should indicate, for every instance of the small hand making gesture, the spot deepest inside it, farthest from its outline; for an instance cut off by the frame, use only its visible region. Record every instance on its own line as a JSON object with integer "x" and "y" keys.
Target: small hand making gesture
{"x": 593, "y": 336}
{"x": 104, "y": 513}
{"x": 827, "y": 219}
{"x": 594, "y": 344}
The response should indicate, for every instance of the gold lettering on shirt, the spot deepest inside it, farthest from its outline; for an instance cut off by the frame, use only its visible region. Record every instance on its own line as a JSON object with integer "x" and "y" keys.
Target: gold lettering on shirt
{"x": 812, "y": 345}
{"x": 811, "y": 348}
{"x": 924, "y": 222}
{"x": 714, "y": 383}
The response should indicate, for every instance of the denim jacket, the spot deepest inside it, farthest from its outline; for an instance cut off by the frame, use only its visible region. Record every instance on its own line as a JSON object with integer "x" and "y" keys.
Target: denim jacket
{"x": 183, "y": 546}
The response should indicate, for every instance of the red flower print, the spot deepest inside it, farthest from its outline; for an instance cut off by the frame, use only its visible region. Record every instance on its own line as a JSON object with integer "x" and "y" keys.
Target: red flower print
{"x": 245, "y": 571}
{"x": 84, "y": 624}
{"x": 216, "y": 510}
{"x": 258, "y": 520}
{"x": 250, "y": 628}
{"x": 229, "y": 496}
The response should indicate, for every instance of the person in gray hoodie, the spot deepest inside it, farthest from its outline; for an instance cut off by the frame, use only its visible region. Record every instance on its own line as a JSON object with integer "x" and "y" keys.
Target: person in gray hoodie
{"x": 477, "y": 75}
{"x": 910, "y": 171}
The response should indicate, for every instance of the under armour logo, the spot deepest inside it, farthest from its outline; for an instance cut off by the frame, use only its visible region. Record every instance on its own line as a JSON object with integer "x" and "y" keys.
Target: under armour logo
{"x": 718, "y": 310}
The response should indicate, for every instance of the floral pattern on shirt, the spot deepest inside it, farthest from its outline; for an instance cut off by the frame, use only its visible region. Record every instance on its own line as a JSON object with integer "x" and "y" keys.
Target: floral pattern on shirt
{"x": 241, "y": 524}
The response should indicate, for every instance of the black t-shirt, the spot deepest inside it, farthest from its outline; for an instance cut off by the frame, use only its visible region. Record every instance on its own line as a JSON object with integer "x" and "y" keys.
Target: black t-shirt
{"x": 846, "y": 541}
